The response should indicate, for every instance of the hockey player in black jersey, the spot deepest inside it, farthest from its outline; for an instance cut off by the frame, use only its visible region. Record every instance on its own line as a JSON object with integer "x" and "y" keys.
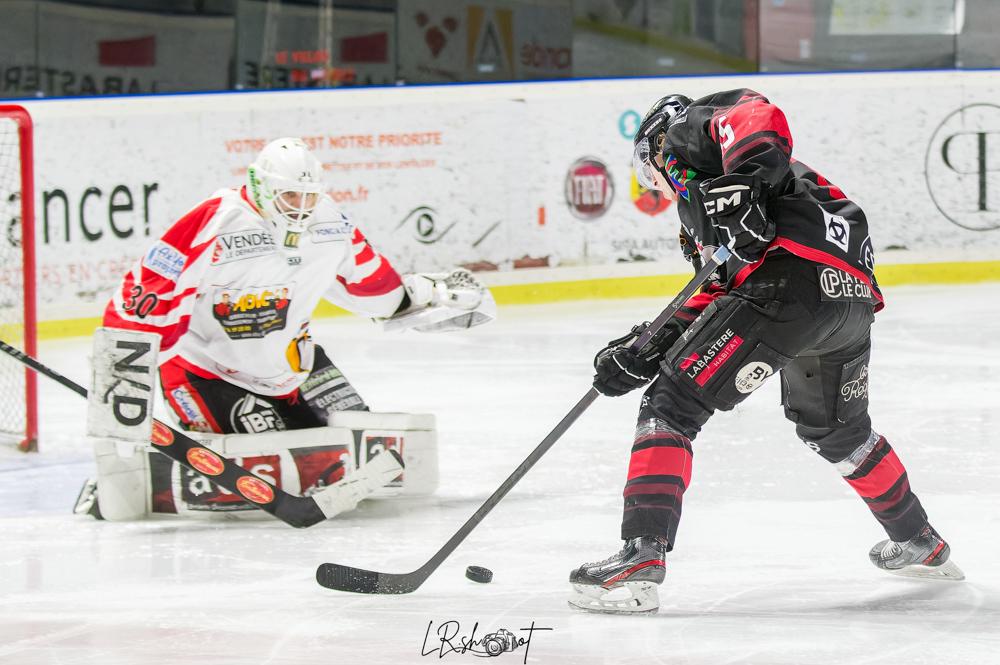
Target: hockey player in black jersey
{"x": 797, "y": 299}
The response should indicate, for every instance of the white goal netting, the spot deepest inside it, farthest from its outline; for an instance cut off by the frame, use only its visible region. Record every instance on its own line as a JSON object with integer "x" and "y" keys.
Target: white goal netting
{"x": 15, "y": 402}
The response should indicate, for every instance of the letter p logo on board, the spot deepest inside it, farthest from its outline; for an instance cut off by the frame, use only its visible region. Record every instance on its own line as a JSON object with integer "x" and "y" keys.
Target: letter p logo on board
{"x": 120, "y": 402}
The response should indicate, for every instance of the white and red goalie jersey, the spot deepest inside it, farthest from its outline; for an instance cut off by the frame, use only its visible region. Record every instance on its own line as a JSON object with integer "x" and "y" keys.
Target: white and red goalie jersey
{"x": 229, "y": 302}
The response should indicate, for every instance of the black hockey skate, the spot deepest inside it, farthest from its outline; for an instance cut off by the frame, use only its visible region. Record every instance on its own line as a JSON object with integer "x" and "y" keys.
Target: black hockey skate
{"x": 624, "y": 583}
{"x": 924, "y": 555}
{"x": 86, "y": 501}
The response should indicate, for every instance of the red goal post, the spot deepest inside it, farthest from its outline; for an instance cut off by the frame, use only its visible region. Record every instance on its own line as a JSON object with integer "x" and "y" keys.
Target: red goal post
{"x": 18, "y": 385}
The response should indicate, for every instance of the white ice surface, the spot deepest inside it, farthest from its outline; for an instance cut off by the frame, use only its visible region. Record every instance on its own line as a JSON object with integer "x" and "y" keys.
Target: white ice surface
{"x": 771, "y": 562}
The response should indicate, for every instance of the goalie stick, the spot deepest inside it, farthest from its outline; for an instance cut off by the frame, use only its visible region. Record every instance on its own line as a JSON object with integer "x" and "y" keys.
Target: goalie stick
{"x": 358, "y": 580}
{"x": 297, "y": 511}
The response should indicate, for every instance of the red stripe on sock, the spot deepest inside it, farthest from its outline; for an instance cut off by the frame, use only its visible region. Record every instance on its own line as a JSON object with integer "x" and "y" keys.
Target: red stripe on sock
{"x": 892, "y": 500}
{"x": 881, "y": 478}
{"x": 661, "y": 461}
{"x": 654, "y": 488}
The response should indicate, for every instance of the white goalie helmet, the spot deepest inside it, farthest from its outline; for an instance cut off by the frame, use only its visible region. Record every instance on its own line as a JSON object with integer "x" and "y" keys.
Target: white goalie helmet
{"x": 285, "y": 184}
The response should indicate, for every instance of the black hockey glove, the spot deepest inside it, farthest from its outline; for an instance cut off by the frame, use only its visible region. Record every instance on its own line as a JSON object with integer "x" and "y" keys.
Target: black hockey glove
{"x": 736, "y": 205}
{"x": 620, "y": 370}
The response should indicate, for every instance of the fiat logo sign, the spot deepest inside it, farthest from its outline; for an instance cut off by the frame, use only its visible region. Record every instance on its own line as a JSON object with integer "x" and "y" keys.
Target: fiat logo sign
{"x": 589, "y": 189}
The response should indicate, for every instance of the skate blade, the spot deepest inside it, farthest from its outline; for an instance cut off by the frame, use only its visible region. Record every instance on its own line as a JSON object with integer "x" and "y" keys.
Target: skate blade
{"x": 946, "y": 571}
{"x": 628, "y": 598}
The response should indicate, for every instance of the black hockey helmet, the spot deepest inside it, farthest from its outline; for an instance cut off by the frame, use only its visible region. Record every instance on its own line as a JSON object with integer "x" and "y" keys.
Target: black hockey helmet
{"x": 648, "y": 140}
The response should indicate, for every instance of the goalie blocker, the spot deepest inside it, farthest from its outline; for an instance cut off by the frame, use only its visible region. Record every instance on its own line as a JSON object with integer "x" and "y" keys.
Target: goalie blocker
{"x": 134, "y": 481}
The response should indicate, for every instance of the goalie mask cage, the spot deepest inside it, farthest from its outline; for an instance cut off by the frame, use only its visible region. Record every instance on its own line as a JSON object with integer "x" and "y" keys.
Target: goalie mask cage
{"x": 18, "y": 385}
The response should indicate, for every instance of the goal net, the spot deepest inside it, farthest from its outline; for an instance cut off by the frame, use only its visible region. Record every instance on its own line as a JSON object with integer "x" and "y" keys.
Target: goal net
{"x": 18, "y": 396}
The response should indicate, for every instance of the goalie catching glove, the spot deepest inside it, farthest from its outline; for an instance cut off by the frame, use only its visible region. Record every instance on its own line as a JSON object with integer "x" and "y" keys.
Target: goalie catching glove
{"x": 735, "y": 204}
{"x": 438, "y": 302}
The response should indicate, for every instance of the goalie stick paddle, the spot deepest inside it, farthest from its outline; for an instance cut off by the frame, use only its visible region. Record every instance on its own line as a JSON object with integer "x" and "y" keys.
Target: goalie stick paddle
{"x": 359, "y": 580}
{"x": 297, "y": 511}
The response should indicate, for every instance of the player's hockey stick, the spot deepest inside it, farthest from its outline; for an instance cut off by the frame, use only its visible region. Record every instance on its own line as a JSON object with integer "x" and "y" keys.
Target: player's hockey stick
{"x": 298, "y": 511}
{"x": 359, "y": 580}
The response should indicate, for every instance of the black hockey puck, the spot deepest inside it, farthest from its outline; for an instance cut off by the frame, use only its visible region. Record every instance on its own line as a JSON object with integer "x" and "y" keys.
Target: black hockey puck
{"x": 479, "y": 574}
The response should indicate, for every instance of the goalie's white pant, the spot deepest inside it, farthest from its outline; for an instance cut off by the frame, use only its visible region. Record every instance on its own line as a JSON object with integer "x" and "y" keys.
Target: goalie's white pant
{"x": 298, "y": 461}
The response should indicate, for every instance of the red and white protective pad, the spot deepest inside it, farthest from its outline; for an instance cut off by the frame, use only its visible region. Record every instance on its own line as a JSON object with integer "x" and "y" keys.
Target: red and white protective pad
{"x": 305, "y": 461}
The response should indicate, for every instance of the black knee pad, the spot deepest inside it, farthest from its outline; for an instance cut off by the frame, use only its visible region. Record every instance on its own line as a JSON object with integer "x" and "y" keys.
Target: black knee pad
{"x": 827, "y": 399}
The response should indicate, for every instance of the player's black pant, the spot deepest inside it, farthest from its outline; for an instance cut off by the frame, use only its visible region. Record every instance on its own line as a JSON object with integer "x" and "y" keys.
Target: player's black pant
{"x": 214, "y": 405}
{"x": 809, "y": 322}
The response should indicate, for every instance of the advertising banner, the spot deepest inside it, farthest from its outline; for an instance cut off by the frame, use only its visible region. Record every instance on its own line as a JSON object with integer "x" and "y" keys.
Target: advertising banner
{"x": 501, "y": 177}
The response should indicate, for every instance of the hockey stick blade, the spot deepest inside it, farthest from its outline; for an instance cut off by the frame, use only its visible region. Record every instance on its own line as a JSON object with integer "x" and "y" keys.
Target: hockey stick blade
{"x": 358, "y": 580}
{"x": 296, "y": 511}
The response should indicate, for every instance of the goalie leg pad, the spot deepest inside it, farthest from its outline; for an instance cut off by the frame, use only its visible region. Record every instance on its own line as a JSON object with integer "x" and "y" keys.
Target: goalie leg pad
{"x": 412, "y": 435}
{"x": 120, "y": 419}
{"x": 306, "y": 461}
{"x": 122, "y": 480}
{"x": 120, "y": 401}
{"x": 357, "y": 437}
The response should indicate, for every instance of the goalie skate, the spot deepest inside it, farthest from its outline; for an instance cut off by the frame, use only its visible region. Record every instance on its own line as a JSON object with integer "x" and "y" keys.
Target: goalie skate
{"x": 86, "y": 501}
{"x": 624, "y": 583}
{"x": 926, "y": 555}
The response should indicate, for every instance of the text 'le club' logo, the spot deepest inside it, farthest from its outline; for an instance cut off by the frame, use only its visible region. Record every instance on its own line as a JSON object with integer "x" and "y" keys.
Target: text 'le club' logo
{"x": 589, "y": 189}
{"x": 962, "y": 166}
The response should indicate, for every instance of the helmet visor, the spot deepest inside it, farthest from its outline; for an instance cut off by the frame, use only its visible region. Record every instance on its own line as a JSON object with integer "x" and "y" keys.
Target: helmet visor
{"x": 296, "y": 205}
{"x": 642, "y": 164}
